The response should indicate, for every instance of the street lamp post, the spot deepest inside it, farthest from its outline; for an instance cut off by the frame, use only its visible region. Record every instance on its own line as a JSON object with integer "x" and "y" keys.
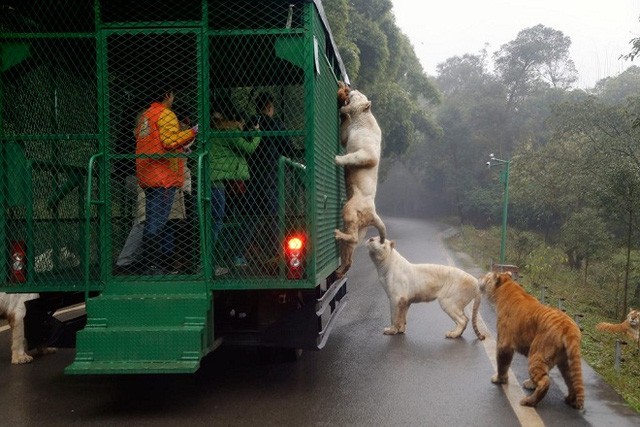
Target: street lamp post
{"x": 493, "y": 161}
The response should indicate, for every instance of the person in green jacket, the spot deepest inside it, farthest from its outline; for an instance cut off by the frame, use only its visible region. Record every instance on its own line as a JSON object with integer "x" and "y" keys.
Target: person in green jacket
{"x": 229, "y": 171}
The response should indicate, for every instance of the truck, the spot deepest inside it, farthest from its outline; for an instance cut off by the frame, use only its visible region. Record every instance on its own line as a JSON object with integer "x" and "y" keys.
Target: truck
{"x": 75, "y": 77}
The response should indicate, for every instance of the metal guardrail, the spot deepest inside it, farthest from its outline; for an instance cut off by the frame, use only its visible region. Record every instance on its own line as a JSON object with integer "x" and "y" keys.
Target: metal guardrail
{"x": 87, "y": 225}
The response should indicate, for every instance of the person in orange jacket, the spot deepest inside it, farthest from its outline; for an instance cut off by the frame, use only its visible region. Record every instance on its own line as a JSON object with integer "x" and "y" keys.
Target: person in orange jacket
{"x": 158, "y": 132}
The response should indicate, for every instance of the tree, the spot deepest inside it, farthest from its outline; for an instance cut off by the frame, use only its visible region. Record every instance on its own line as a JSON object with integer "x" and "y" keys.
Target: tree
{"x": 337, "y": 12}
{"x": 584, "y": 236}
{"x": 617, "y": 90}
{"x": 382, "y": 63}
{"x": 612, "y": 164}
{"x": 538, "y": 56}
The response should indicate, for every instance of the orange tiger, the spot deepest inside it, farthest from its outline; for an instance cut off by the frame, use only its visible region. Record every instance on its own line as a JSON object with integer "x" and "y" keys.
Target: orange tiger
{"x": 629, "y": 327}
{"x": 546, "y": 335}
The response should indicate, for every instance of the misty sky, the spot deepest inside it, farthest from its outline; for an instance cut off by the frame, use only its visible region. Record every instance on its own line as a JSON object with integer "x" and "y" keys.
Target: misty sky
{"x": 600, "y": 30}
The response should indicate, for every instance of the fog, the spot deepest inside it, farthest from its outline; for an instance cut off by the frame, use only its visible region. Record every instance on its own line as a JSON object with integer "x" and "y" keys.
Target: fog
{"x": 400, "y": 194}
{"x": 600, "y": 31}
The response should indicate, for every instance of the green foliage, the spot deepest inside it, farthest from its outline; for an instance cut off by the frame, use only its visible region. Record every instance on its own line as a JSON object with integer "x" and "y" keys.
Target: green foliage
{"x": 523, "y": 244}
{"x": 382, "y": 63}
{"x": 616, "y": 90}
{"x": 337, "y": 12}
{"x": 372, "y": 44}
{"x": 540, "y": 264}
{"x": 583, "y": 236}
{"x": 478, "y": 206}
{"x": 575, "y": 160}
{"x": 498, "y": 112}
{"x": 538, "y": 56}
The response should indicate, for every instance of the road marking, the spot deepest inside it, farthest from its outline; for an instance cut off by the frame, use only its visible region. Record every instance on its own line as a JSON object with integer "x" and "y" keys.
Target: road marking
{"x": 513, "y": 390}
{"x": 63, "y": 311}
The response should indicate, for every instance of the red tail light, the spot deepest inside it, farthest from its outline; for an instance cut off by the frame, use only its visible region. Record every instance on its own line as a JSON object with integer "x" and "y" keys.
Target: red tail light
{"x": 18, "y": 261}
{"x": 294, "y": 250}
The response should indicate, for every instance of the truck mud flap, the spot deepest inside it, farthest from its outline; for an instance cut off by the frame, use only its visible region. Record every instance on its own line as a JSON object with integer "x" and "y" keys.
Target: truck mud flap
{"x": 308, "y": 328}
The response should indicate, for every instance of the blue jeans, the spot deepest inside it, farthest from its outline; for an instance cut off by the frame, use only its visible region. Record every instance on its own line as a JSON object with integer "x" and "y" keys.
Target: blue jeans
{"x": 238, "y": 240}
{"x": 158, "y": 202}
{"x": 218, "y": 205}
{"x": 269, "y": 219}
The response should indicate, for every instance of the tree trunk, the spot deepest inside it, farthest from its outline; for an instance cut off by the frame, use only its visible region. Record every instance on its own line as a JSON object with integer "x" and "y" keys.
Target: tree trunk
{"x": 635, "y": 301}
{"x": 586, "y": 271}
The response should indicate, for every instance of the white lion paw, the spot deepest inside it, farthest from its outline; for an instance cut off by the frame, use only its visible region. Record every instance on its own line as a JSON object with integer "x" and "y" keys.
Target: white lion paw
{"x": 20, "y": 359}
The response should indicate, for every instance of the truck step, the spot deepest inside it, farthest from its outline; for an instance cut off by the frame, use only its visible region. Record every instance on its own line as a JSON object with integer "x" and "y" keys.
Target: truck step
{"x": 147, "y": 310}
{"x": 133, "y": 367}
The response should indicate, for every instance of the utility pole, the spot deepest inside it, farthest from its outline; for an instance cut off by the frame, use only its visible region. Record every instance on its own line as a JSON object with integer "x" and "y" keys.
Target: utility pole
{"x": 493, "y": 161}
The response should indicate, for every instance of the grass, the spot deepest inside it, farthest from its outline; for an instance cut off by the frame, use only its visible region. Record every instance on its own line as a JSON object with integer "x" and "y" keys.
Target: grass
{"x": 596, "y": 298}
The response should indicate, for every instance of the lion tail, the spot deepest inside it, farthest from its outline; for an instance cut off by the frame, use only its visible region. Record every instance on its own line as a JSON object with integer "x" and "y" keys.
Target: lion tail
{"x": 474, "y": 315}
{"x": 572, "y": 348}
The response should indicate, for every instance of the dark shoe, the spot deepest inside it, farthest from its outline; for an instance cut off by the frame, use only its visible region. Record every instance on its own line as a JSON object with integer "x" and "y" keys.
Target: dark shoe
{"x": 154, "y": 270}
{"x": 126, "y": 270}
{"x": 221, "y": 271}
{"x": 239, "y": 262}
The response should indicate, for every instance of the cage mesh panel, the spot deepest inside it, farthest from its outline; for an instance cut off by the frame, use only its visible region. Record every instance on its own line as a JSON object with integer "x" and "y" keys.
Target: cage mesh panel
{"x": 244, "y": 66}
{"x": 49, "y": 129}
{"x": 329, "y": 180}
{"x": 244, "y": 70}
{"x": 59, "y": 71}
{"x": 143, "y": 67}
{"x": 247, "y": 14}
{"x": 119, "y": 11}
{"x": 50, "y": 16}
{"x": 52, "y": 88}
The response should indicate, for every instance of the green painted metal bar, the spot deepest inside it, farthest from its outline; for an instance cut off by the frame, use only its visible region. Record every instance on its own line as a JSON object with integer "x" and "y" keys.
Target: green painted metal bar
{"x": 30, "y": 241}
{"x": 87, "y": 225}
{"x": 310, "y": 112}
{"x": 203, "y": 196}
{"x": 3, "y": 175}
{"x": 282, "y": 162}
{"x": 266, "y": 32}
{"x": 32, "y": 36}
{"x": 55, "y": 137}
{"x": 104, "y": 124}
{"x": 505, "y": 205}
{"x": 204, "y": 189}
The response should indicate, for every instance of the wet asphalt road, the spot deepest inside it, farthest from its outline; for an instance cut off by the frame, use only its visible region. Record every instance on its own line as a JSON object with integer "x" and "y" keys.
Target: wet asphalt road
{"x": 361, "y": 378}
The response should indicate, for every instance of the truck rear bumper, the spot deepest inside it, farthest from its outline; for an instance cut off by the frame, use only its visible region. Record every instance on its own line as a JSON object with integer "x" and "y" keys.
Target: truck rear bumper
{"x": 308, "y": 328}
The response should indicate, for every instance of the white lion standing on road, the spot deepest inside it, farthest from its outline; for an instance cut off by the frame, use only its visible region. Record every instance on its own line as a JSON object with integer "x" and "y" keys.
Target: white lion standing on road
{"x": 406, "y": 283}
{"x": 13, "y": 308}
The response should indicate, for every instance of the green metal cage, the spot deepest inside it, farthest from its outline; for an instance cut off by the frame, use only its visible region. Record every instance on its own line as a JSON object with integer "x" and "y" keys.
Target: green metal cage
{"x": 253, "y": 81}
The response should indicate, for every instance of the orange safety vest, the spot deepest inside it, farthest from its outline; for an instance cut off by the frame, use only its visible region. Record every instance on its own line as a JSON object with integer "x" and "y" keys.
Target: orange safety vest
{"x": 158, "y": 132}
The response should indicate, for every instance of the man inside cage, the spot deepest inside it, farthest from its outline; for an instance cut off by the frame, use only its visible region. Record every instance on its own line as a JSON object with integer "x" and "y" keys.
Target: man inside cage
{"x": 263, "y": 185}
{"x": 158, "y": 133}
{"x": 229, "y": 170}
{"x": 130, "y": 257}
